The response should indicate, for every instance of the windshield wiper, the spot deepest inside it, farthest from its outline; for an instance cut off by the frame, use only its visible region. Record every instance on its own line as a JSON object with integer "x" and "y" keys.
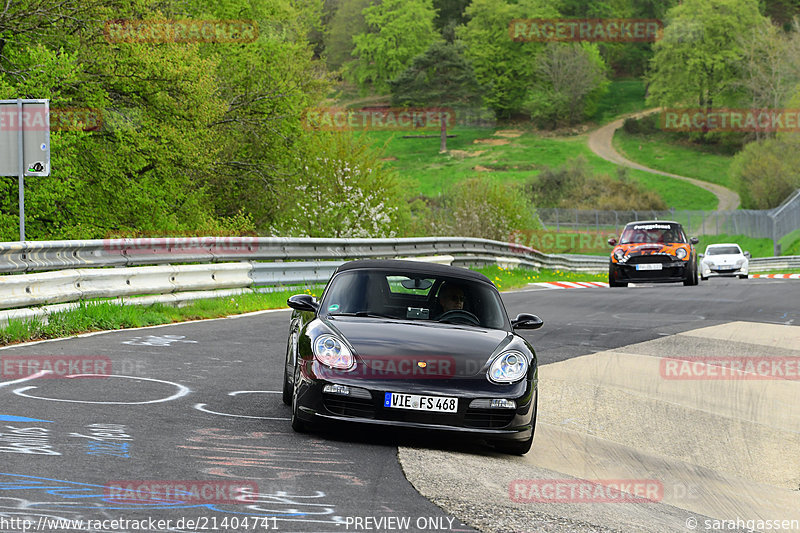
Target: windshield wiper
{"x": 363, "y": 314}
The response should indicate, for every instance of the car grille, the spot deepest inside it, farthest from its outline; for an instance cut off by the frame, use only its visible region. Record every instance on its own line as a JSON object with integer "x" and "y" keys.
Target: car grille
{"x": 345, "y": 406}
{"x": 488, "y": 418}
{"x": 650, "y": 259}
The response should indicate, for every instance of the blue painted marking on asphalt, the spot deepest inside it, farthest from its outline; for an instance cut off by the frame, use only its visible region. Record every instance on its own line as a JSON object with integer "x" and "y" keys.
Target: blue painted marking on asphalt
{"x": 12, "y": 418}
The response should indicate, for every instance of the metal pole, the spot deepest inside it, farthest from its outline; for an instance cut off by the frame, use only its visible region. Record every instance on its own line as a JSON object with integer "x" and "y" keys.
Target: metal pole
{"x": 21, "y": 173}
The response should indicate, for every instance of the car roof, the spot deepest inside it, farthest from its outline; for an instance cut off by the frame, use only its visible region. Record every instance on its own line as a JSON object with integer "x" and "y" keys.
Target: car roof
{"x": 720, "y": 244}
{"x": 414, "y": 267}
{"x": 653, "y": 222}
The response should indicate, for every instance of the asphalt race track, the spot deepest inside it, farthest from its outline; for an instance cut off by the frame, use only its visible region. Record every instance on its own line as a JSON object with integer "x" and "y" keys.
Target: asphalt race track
{"x": 198, "y": 405}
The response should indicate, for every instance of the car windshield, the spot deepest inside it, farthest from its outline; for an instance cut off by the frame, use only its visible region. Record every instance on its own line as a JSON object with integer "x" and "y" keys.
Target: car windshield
{"x": 723, "y": 250}
{"x": 660, "y": 233}
{"x": 418, "y": 297}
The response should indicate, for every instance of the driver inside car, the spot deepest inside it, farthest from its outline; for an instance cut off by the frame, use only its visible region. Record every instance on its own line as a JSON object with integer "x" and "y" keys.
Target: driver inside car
{"x": 451, "y": 297}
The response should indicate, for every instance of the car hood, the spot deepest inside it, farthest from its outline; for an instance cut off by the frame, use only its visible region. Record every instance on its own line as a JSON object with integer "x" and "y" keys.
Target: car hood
{"x": 724, "y": 258}
{"x": 638, "y": 249}
{"x": 445, "y": 350}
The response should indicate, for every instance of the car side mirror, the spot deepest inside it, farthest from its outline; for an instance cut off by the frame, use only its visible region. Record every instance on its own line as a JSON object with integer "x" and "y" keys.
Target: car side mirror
{"x": 747, "y": 255}
{"x": 612, "y": 241}
{"x": 694, "y": 240}
{"x": 303, "y": 302}
{"x": 700, "y": 256}
{"x": 527, "y": 321}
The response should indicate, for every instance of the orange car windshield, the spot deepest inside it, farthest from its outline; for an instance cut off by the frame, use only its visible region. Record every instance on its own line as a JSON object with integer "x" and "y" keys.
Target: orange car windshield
{"x": 652, "y": 233}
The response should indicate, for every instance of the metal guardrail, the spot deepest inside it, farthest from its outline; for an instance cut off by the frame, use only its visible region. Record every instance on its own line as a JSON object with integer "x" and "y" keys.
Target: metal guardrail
{"x": 41, "y": 256}
{"x": 106, "y": 272}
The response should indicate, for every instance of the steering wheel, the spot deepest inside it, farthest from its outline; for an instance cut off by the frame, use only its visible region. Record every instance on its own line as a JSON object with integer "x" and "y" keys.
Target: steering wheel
{"x": 459, "y": 314}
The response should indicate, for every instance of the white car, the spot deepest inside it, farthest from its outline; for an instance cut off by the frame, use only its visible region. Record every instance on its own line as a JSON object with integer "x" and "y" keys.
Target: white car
{"x": 724, "y": 260}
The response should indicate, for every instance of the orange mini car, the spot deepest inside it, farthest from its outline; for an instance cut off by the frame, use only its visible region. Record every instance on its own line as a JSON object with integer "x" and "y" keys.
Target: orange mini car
{"x": 652, "y": 251}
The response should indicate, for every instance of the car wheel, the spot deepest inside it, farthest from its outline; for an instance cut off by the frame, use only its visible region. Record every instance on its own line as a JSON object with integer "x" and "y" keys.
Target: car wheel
{"x": 612, "y": 282}
{"x": 298, "y": 425}
{"x": 286, "y": 394}
{"x": 691, "y": 276}
{"x": 524, "y": 446}
{"x": 743, "y": 276}
{"x": 703, "y": 278}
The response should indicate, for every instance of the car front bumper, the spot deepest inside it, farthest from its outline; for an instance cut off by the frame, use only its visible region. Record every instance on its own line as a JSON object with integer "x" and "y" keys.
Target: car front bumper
{"x": 322, "y": 408}
{"x": 727, "y": 271}
{"x": 672, "y": 271}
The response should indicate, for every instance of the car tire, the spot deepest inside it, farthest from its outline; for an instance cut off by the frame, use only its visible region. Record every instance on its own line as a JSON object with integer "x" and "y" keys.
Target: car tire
{"x": 703, "y": 278}
{"x": 612, "y": 282}
{"x": 691, "y": 276}
{"x": 298, "y": 425}
{"x": 286, "y": 393}
{"x": 743, "y": 276}
{"x": 520, "y": 447}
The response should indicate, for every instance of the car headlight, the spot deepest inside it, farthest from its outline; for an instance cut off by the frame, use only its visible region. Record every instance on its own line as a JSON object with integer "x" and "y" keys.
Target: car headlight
{"x": 739, "y": 263}
{"x": 680, "y": 253}
{"x": 332, "y": 352}
{"x": 619, "y": 254}
{"x": 508, "y": 367}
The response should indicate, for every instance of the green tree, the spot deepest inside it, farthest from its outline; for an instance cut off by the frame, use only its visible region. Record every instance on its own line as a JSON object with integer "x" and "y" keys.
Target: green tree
{"x": 506, "y": 68}
{"x": 347, "y": 21}
{"x": 766, "y": 171}
{"x": 399, "y": 31}
{"x": 695, "y": 64}
{"x": 440, "y": 77}
{"x": 571, "y": 80}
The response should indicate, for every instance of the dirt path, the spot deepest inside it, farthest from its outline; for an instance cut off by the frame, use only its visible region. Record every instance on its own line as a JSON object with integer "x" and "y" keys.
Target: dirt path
{"x": 600, "y": 143}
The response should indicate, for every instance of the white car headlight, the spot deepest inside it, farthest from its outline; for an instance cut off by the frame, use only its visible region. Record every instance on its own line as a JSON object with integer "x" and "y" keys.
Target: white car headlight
{"x": 740, "y": 262}
{"x": 680, "y": 253}
{"x": 508, "y": 367}
{"x": 332, "y": 352}
{"x": 619, "y": 254}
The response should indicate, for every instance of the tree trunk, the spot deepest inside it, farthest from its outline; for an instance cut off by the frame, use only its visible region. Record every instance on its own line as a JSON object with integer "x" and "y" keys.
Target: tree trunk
{"x": 443, "y": 142}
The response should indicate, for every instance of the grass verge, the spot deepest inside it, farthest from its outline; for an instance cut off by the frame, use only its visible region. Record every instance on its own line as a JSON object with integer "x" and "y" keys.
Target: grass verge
{"x": 507, "y": 279}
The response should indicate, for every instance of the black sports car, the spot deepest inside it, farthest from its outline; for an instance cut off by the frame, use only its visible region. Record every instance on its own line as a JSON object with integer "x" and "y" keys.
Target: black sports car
{"x": 415, "y": 345}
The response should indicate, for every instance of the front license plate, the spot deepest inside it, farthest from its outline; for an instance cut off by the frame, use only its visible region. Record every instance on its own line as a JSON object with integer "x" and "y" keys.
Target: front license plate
{"x": 649, "y": 266}
{"x": 443, "y": 404}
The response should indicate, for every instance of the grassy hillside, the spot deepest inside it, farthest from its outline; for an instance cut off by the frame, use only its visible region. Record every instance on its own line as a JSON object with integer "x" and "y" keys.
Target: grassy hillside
{"x": 511, "y": 155}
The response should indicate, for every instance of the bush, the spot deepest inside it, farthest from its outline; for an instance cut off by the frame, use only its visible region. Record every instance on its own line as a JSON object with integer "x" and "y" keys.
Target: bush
{"x": 481, "y": 208}
{"x": 575, "y": 186}
{"x": 344, "y": 192}
{"x": 767, "y": 171}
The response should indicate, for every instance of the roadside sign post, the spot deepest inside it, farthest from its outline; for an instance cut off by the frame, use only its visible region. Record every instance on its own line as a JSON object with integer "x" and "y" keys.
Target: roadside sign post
{"x": 24, "y": 144}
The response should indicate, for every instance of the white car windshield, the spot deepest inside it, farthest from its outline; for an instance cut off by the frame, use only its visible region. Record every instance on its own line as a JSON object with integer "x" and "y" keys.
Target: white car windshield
{"x": 723, "y": 250}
